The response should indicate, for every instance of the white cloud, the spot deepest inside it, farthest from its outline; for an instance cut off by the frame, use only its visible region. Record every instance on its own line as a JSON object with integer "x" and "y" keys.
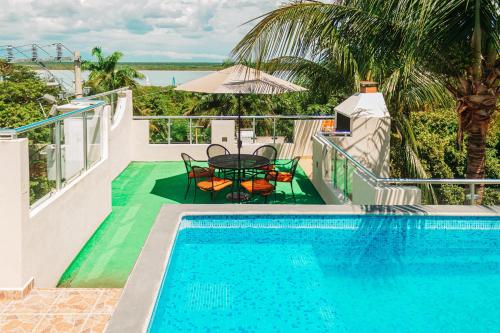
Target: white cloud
{"x": 150, "y": 30}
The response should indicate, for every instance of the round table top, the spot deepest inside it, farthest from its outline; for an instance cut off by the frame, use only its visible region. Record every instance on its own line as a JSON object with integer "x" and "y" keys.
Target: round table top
{"x": 231, "y": 161}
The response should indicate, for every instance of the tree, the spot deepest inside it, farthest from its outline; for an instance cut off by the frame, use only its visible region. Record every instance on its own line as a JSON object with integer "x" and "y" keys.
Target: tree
{"x": 425, "y": 53}
{"x": 106, "y": 75}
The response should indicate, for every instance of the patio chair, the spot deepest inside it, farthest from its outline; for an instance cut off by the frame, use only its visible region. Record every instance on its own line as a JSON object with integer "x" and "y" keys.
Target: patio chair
{"x": 260, "y": 186}
{"x": 286, "y": 176}
{"x": 268, "y": 152}
{"x": 216, "y": 150}
{"x": 188, "y": 163}
{"x": 209, "y": 183}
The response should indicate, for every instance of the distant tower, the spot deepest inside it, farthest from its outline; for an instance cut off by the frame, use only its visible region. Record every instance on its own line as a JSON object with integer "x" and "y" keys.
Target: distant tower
{"x": 34, "y": 52}
{"x": 10, "y": 53}
{"x": 59, "y": 51}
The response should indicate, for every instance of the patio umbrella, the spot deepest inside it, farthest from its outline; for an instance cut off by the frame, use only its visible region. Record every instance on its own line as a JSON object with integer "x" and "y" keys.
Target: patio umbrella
{"x": 240, "y": 80}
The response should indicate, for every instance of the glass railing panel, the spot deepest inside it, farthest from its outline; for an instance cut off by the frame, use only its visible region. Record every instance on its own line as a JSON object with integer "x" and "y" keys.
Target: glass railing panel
{"x": 456, "y": 194}
{"x": 342, "y": 174}
{"x": 42, "y": 165}
{"x": 179, "y": 130}
{"x": 159, "y": 131}
{"x": 94, "y": 136}
{"x": 264, "y": 131}
{"x": 111, "y": 98}
{"x": 491, "y": 195}
{"x": 175, "y": 131}
{"x": 201, "y": 131}
{"x": 72, "y": 148}
{"x": 284, "y": 130}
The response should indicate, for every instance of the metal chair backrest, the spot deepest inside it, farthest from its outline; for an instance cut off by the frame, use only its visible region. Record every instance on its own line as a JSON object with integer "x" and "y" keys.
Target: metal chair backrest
{"x": 268, "y": 152}
{"x": 216, "y": 150}
{"x": 294, "y": 165}
{"x": 187, "y": 162}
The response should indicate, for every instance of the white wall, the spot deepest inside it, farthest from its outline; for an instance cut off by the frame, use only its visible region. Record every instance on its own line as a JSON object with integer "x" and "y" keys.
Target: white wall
{"x": 120, "y": 135}
{"x": 369, "y": 144}
{"x": 14, "y": 205}
{"x": 58, "y": 228}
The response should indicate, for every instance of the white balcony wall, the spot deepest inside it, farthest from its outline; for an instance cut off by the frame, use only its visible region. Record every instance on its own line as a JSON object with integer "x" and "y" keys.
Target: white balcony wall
{"x": 365, "y": 192}
{"x": 121, "y": 140}
{"x": 14, "y": 207}
{"x": 40, "y": 243}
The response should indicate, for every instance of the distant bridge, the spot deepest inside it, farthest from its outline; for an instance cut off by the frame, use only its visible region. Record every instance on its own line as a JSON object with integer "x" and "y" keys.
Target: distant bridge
{"x": 41, "y": 54}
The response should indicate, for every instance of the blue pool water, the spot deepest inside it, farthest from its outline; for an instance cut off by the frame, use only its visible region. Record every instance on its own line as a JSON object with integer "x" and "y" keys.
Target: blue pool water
{"x": 332, "y": 274}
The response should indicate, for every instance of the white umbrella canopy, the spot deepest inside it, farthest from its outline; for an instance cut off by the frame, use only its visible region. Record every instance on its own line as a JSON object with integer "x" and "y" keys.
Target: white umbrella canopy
{"x": 240, "y": 80}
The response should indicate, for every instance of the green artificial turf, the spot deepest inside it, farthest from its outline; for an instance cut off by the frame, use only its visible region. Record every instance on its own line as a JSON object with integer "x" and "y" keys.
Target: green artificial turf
{"x": 138, "y": 194}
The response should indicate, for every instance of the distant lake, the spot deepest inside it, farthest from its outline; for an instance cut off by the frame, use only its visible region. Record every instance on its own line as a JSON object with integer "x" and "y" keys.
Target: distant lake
{"x": 153, "y": 78}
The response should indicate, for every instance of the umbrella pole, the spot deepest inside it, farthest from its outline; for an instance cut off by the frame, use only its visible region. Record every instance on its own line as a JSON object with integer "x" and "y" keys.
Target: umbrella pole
{"x": 239, "y": 148}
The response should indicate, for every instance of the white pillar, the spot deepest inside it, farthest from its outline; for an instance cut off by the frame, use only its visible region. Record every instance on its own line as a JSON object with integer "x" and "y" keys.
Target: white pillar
{"x": 14, "y": 211}
{"x": 78, "y": 75}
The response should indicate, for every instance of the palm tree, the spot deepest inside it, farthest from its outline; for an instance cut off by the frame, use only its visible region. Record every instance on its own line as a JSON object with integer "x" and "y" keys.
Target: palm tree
{"x": 425, "y": 53}
{"x": 105, "y": 75}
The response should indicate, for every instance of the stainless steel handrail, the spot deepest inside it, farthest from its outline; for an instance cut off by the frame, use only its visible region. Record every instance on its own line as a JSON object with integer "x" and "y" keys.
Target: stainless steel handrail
{"x": 365, "y": 170}
{"x": 14, "y": 132}
{"x": 107, "y": 93}
{"x": 290, "y": 117}
{"x": 405, "y": 181}
{"x": 274, "y": 119}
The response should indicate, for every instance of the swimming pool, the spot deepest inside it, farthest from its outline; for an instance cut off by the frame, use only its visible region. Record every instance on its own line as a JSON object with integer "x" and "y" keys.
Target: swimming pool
{"x": 332, "y": 274}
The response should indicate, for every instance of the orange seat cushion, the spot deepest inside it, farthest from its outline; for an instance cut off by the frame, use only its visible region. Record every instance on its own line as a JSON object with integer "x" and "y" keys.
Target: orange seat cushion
{"x": 258, "y": 185}
{"x": 267, "y": 167}
{"x": 215, "y": 184}
{"x": 202, "y": 173}
{"x": 285, "y": 177}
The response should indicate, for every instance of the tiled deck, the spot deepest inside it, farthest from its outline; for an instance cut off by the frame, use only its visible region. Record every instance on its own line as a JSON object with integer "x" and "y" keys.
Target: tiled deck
{"x": 59, "y": 310}
{"x": 138, "y": 194}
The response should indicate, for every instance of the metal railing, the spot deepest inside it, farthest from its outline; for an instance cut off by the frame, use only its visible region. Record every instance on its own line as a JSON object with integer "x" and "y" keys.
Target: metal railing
{"x": 109, "y": 97}
{"x": 60, "y": 148}
{"x": 347, "y": 161}
{"x": 286, "y": 130}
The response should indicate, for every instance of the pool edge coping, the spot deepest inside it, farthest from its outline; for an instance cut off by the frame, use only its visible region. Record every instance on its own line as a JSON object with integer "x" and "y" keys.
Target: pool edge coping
{"x": 138, "y": 299}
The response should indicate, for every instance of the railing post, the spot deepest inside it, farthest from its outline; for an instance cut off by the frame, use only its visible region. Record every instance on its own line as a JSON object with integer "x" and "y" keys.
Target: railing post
{"x": 85, "y": 141}
{"x": 112, "y": 106}
{"x": 335, "y": 169}
{"x": 472, "y": 193}
{"x": 169, "y": 128}
{"x": 58, "y": 154}
{"x": 190, "y": 131}
{"x": 345, "y": 178}
{"x": 253, "y": 130}
{"x": 274, "y": 130}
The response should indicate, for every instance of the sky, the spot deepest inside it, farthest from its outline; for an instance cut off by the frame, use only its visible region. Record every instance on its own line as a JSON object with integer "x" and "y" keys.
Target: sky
{"x": 144, "y": 30}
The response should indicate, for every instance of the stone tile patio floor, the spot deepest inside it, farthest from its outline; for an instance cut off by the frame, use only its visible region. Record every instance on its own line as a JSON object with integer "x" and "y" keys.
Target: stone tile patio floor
{"x": 59, "y": 310}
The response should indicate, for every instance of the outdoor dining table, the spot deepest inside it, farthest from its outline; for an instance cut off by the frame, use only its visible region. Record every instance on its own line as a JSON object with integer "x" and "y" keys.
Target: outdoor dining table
{"x": 230, "y": 162}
